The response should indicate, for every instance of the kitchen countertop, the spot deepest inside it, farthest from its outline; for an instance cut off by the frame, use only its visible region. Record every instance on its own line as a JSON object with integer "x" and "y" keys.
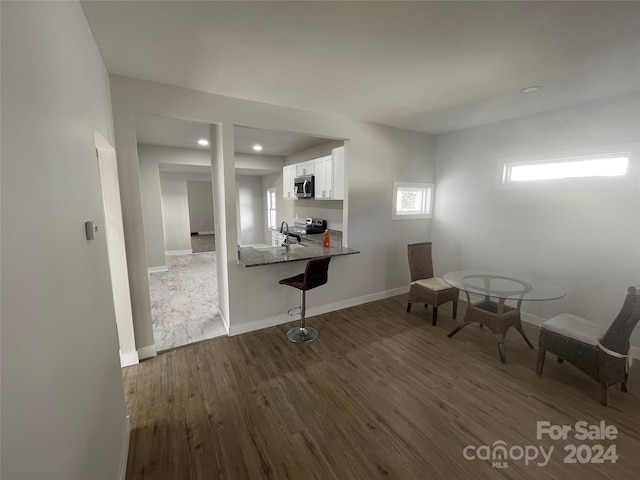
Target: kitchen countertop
{"x": 256, "y": 256}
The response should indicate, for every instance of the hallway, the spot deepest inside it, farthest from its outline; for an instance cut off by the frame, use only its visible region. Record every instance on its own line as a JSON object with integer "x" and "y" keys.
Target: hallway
{"x": 184, "y": 301}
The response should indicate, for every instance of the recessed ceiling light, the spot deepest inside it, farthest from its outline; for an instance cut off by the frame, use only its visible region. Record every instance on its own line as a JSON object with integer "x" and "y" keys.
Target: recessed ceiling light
{"x": 203, "y": 141}
{"x": 257, "y": 148}
{"x": 531, "y": 89}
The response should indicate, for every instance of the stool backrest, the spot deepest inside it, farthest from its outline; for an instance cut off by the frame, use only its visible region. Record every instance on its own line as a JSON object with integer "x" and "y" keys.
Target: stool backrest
{"x": 316, "y": 273}
{"x": 618, "y": 334}
{"x": 420, "y": 261}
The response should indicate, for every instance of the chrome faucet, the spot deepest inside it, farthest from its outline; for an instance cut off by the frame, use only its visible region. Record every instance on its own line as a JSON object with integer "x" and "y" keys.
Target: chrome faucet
{"x": 286, "y": 237}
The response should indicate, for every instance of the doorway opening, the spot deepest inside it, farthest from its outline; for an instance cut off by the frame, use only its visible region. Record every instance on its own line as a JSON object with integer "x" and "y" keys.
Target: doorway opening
{"x": 114, "y": 234}
{"x": 178, "y": 216}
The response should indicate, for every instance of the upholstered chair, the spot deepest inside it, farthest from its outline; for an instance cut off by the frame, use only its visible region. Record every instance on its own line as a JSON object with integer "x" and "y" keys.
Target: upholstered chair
{"x": 600, "y": 352}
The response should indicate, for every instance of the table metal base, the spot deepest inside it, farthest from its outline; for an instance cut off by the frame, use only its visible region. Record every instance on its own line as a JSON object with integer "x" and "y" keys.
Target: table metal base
{"x": 497, "y": 317}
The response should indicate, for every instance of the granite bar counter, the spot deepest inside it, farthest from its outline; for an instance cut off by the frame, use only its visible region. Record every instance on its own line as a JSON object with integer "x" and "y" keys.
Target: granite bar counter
{"x": 256, "y": 256}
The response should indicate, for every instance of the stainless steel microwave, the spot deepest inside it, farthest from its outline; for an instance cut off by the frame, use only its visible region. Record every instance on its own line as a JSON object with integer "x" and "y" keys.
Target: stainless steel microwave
{"x": 304, "y": 186}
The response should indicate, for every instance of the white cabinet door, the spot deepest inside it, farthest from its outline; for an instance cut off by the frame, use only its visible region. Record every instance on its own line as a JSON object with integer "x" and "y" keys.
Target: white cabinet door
{"x": 329, "y": 176}
{"x": 323, "y": 178}
{"x": 305, "y": 168}
{"x": 338, "y": 173}
{"x": 288, "y": 177}
{"x": 276, "y": 239}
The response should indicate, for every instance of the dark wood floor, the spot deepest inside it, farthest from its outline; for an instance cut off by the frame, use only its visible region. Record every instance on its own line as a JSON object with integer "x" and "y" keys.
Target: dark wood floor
{"x": 380, "y": 394}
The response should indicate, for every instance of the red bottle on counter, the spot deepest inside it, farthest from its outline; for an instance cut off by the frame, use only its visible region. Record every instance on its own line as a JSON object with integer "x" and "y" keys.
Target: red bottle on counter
{"x": 326, "y": 242}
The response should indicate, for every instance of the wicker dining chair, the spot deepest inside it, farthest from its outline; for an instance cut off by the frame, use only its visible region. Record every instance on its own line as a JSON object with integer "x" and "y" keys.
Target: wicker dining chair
{"x": 600, "y": 352}
{"x": 425, "y": 288}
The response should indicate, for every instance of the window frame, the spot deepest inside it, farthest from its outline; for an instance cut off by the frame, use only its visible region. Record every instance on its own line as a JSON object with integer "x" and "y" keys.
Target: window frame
{"x": 427, "y": 204}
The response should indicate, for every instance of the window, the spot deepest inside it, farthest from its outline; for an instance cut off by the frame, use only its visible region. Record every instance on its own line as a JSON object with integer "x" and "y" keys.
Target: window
{"x": 412, "y": 200}
{"x": 271, "y": 207}
{"x": 612, "y": 165}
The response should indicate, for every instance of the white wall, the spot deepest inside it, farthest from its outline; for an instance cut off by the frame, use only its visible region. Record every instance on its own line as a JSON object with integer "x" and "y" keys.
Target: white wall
{"x": 152, "y": 210}
{"x": 377, "y": 156}
{"x": 175, "y": 213}
{"x": 251, "y": 210}
{"x": 200, "y": 206}
{"x": 317, "y": 151}
{"x": 585, "y": 239}
{"x": 150, "y": 158}
{"x": 63, "y": 410}
{"x": 251, "y": 164}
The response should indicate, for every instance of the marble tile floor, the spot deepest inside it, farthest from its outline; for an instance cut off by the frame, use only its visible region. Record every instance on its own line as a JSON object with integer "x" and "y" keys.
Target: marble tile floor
{"x": 184, "y": 301}
{"x": 203, "y": 243}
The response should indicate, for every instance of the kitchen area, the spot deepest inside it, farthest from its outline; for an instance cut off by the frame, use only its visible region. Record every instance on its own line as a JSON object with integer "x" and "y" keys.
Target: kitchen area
{"x": 301, "y": 208}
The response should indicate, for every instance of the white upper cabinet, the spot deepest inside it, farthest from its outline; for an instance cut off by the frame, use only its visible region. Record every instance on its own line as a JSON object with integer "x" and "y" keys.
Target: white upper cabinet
{"x": 305, "y": 168}
{"x": 323, "y": 178}
{"x": 288, "y": 177}
{"x": 328, "y": 175}
{"x": 338, "y": 173}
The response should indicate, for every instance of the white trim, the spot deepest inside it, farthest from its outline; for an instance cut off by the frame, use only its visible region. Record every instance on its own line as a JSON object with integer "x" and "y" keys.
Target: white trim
{"x": 147, "y": 352}
{"x": 170, "y": 253}
{"x": 124, "y": 453}
{"x": 284, "y": 318}
{"x": 224, "y": 319}
{"x": 205, "y": 233}
{"x": 128, "y": 359}
{"x": 532, "y": 319}
{"x": 352, "y": 302}
{"x": 161, "y": 268}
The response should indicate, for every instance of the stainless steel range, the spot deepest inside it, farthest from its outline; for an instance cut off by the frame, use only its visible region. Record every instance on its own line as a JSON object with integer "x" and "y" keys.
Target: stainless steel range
{"x": 315, "y": 225}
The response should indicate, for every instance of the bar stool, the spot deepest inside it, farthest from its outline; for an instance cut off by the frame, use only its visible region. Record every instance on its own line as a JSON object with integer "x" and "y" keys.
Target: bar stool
{"x": 315, "y": 274}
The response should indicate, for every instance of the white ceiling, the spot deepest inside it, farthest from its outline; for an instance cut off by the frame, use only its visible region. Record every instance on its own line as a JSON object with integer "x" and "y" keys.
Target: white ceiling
{"x": 425, "y": 66}
{"x": 171, "y": 132}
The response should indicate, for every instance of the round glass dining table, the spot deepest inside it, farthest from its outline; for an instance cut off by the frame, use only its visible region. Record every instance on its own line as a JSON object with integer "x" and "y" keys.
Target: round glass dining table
{"x": 496, "y": 288}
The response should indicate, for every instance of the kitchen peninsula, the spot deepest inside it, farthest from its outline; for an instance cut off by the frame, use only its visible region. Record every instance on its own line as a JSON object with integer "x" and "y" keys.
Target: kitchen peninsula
{"x": 256, "y": 256}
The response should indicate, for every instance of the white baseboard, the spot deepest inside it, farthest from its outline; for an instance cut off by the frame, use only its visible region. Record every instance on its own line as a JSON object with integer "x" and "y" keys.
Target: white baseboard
{"x": 147, "y": 352}
{"x": 532, "y": 319}
{"x": 319, "y": 310}
{"x": 128, "y": 359}
{"x": 178, "y": 252}
{"x": 124, "y": 453}
{"x": 161, "y": 268}
{"x": 352, "y": 302}
{"x": 538, "y": 321}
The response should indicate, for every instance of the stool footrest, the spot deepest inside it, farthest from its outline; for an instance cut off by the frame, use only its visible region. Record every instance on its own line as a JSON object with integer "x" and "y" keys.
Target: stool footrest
{"x": 295, "y": 311}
